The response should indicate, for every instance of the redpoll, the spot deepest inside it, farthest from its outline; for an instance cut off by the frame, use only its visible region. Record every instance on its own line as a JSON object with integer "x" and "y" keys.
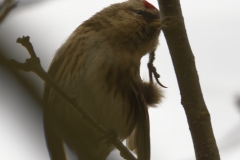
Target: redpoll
{"x": 99, "y": 64}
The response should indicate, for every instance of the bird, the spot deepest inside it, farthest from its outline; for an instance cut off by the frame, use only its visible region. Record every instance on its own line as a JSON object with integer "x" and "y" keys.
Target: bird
{"x": 99, "y": 64}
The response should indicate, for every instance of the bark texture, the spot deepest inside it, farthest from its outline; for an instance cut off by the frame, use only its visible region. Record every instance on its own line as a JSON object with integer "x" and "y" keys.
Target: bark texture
{"x": 191, "y": 95}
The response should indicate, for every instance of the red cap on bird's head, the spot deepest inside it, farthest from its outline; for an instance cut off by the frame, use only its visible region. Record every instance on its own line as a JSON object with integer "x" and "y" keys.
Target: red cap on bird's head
{"x": 149, "y": 5}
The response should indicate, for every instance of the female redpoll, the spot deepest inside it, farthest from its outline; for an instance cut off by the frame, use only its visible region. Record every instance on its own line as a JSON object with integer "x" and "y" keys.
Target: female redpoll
{"x": 99, "y": 64}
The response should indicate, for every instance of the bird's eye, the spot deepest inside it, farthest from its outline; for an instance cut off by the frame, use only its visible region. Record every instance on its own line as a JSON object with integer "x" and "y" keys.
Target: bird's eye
{"x": 139, "y": 12}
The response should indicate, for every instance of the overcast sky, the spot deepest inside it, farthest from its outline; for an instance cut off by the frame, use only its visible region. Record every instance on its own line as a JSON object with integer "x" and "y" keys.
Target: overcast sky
{"x": 214, "y": 35}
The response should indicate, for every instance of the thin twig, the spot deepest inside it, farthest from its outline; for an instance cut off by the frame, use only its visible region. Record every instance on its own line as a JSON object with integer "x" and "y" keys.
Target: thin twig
{"x": 3, "y": 5}
{"x": 25, "y": 81}
{"x": 7, "y": 5}
{"x": 33, "y": 64}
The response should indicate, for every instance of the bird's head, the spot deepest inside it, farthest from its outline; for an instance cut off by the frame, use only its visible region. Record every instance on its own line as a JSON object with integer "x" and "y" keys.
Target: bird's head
{"x": 133, "y": 25}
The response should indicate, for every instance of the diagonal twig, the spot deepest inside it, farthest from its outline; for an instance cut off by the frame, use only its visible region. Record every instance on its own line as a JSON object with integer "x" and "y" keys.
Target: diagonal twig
{"x": 7, "y": 5}
{"x": 2, "y": 5}
{"x": 33, "y": 64}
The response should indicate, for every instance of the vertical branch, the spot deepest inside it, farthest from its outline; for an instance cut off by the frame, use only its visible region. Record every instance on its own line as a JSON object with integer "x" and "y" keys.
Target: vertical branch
{"x": 191, "y": 95}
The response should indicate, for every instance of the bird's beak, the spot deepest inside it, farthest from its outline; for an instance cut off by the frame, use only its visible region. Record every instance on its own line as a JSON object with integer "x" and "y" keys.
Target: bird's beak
{"x": 155, "y": 25}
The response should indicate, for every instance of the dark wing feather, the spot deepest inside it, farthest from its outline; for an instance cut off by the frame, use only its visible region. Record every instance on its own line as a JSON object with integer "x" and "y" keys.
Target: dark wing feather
{"x": 139, "y": 140}
{"x": 143, "y": 131}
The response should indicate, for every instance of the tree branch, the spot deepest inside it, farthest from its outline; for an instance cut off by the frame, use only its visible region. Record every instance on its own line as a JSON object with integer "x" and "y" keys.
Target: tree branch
{"x": 184, "y": 64}
{"x": 7, "y": 5}
{"x": 25, "y": 81}
{"x": 33, "y": 64}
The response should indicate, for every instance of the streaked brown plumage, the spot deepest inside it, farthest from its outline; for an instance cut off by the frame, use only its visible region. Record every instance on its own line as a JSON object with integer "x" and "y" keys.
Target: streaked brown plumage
{"x": 99, "y": 64}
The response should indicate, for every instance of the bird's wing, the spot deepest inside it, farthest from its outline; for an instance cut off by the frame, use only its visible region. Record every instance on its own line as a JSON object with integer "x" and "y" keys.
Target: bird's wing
{"x": 139, "y": 140}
